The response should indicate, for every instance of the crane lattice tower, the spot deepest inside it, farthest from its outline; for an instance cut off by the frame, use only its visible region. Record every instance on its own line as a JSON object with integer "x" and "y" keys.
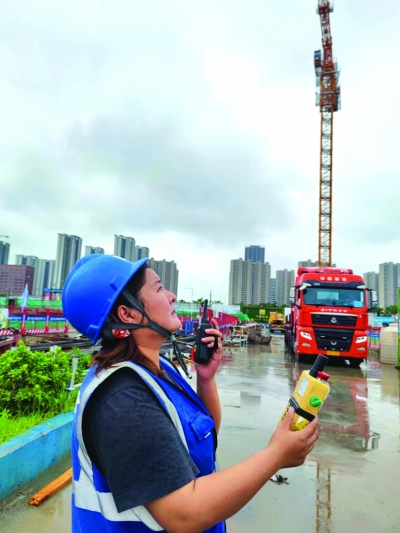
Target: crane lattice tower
{"x": 329, "y": 101}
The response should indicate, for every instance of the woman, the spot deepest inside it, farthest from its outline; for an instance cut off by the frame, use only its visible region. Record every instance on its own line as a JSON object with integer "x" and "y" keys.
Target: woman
{"x": 144, "y": 442}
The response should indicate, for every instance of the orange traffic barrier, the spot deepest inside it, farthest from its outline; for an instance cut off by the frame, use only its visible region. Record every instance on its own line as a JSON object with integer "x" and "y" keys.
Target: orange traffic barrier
{"x": 50, "y": 489}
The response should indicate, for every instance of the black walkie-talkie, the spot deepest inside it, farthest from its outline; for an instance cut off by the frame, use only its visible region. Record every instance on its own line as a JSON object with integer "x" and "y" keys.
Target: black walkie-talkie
{"x": 202, "y": 354}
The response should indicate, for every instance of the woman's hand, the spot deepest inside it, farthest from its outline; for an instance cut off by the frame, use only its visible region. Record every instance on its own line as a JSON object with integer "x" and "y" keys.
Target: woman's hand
{"x": 292, "y": 447}
{"x": 208, "y": 371}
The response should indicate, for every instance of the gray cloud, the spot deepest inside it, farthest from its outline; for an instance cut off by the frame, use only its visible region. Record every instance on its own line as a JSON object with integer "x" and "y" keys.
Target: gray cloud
{"x": 149, "y": 178}
{"x": 171, "y": 185}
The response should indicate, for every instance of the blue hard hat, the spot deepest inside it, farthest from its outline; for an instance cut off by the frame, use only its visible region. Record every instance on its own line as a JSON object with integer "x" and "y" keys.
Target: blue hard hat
{"x": 92, "y": 288}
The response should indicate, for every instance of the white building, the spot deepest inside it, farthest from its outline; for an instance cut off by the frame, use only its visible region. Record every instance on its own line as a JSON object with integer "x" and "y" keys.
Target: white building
{"x": 272, "y": 290}
{"x": 69, "y": 248}
{"x": 4, "y": 252}
{"x": 388, "y": 283}
{"x": 249, "y": 282}
{"x": 44, "y": 276}
{"x": 284, "y": 282}
{"x": 142, "y": 252}
{"x": 307, "y": 263}
{"x": 168, "y": 272}
{"x": 29, "y": 260}
{"x": 125, "y": 247}
{"x": 371, "y": 280}
{"x": 92, "y": 250}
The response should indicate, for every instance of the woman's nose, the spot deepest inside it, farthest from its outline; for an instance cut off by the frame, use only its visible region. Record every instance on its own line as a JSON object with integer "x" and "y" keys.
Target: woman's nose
{"x": 172, "y": 297}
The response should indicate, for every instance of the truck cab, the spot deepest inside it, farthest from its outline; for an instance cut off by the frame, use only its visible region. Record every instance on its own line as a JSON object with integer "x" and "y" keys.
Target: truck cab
{"x": 329, "y": 315}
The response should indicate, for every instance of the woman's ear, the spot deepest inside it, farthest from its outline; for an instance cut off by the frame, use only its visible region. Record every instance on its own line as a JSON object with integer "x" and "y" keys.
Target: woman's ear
{"x": 128, "y": 315}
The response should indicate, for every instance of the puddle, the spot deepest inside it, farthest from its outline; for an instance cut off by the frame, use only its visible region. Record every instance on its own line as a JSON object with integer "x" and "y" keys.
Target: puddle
{"x": 348, "y": 485}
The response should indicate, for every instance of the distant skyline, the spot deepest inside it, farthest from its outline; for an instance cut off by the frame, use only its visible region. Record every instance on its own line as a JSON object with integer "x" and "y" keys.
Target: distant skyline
{"x": 193, "y": 127}
{"x": 183, "y": 293}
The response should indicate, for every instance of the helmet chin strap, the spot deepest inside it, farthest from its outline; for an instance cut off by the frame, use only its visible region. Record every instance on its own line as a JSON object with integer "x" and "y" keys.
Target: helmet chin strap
{"x": 150, "y": 325}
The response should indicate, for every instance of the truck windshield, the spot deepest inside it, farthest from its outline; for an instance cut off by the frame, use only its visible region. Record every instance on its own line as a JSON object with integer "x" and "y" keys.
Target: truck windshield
{"x": 334, "y": 297}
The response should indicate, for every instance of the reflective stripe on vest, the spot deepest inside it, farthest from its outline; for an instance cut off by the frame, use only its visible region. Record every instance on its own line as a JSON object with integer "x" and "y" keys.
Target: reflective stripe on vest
{"x": 85, "y": 494}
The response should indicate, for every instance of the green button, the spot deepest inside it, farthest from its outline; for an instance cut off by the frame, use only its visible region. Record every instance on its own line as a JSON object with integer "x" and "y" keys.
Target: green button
{"x": 315, "y": 401}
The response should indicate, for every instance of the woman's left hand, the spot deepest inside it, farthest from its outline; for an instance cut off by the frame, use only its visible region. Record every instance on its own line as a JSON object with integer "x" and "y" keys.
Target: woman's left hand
{"x": 208, "y": 371}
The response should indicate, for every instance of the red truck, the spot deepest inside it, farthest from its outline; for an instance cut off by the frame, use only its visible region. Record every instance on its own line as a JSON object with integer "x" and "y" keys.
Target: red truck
{"x": 329, "y": 315}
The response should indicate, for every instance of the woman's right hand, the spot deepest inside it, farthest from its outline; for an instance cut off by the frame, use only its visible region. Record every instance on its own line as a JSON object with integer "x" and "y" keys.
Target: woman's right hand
{"x": 292, "y": 447}
{"x": 216, "y": 497}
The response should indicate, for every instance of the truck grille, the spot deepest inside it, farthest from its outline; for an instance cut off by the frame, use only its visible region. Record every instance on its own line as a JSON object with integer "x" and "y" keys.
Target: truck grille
{"x": 334, "y": 320}
{"x": 337, "y": 340}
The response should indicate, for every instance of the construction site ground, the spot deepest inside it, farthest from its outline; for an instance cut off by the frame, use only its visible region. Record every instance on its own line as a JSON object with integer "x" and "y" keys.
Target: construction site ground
{"x": 349, "y": 484}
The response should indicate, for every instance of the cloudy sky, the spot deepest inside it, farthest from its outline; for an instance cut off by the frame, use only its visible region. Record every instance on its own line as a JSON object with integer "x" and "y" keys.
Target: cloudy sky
{"x": 191, "y": 125}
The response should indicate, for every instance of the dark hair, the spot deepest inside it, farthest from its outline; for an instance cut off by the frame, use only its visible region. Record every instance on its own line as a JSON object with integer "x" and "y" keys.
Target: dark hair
{"x": 118, "y": 350}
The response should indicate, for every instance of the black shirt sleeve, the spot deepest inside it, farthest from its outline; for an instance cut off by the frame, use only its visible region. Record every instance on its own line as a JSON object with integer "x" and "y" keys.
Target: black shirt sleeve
{"x": 133, "y": 442}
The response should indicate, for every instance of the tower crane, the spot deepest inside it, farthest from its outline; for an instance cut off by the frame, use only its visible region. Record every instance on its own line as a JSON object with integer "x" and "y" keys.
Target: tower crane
{"x": 328, "y": 100}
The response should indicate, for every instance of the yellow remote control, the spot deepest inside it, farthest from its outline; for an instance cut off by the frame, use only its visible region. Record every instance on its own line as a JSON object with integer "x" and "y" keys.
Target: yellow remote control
{"x": 309, "y": 395}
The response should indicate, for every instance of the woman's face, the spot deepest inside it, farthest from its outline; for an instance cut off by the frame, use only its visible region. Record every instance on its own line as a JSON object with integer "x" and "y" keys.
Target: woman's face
{"x": 158, "y": 302}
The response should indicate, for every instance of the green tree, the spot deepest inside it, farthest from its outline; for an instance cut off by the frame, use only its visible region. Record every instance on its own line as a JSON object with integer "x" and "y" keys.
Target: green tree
{"x": 390, "y": 310}
{"x": 379, "y": 311}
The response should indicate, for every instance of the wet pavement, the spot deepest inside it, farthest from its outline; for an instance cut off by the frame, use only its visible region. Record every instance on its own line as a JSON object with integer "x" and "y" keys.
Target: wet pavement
{"x": 348, "y": 485}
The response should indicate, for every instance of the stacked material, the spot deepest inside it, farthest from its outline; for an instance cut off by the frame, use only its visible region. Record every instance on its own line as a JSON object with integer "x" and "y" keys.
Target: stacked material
{"x": 389, "y": 345}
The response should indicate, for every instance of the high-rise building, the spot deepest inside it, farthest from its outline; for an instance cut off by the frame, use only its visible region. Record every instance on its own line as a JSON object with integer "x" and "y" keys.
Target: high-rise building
{"x": 255, "y": 254}
{"x": 261, "y": 276}
{"x": 284, "y": 282}
{"x": 388, "y": 283}
{"x": 249, "y": 282}
{"x": 44, "y": 272}
{"x": 29, "y": 260}
{"x": 91, "y": 250}
{"x": 125, "y": 247}
{"x": 371, "y": 280}
{"x": 272, "y": 290}
{"x": 240, "y": 287}
{"x": 307, "y": 263}
{"x": 13, "y": 279}
{"x": 168, "y": 272}
{"x": 4, "y": 252}
{"x": 310, "y": 263}
{"x": 142, "y": 252}
{"x": 69, "y": 249}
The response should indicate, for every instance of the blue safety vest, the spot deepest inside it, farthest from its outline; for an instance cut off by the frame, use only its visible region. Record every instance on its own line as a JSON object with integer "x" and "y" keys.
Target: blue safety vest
{"x": 93, "y": 506}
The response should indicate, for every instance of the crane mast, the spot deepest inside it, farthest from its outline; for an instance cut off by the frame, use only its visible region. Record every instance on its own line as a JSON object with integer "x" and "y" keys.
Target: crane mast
{"x": 328, "y": 100}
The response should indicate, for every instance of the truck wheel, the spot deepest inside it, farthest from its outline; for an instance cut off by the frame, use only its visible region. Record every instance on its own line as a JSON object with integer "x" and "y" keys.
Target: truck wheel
{"x": 291, "y": 341}
{"x": 300, "y": 358}
{"x": 355, "y": 362}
